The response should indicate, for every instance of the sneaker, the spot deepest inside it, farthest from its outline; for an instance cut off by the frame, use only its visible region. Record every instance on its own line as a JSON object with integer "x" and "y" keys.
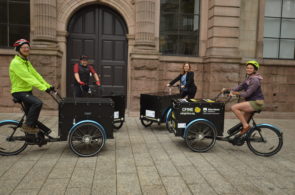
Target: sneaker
{"x": 244, "y": 130}
{"x": 28, "y": 129}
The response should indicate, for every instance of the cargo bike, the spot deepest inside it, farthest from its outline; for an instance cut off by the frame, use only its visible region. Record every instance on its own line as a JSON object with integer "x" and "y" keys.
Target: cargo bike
{"x": 155, "y": 107}
{"x": 85, "y": 123}
{"x": 201, "y": 122}
{"x": 119, "y": 104}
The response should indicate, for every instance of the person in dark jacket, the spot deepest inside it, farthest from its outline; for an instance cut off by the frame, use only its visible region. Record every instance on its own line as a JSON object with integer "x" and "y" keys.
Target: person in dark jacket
{"x": 250, "y": 89}
{"x": 82, "y": 74}
{"x": 187, "y": 84}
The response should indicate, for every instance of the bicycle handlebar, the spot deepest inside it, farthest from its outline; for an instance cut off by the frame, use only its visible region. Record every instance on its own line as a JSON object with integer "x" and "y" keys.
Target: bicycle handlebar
{"x": 56, "y": 97}
{"x": 229, "y": 97}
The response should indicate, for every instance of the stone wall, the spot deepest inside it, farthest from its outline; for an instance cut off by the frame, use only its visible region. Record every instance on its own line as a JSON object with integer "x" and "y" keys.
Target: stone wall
{"x": 279, "y": 87}
{"x": 6, "y": 104}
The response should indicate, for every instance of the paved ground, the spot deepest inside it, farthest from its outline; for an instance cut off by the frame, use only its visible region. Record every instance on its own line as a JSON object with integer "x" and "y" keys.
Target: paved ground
{"x": 150, "y": 161}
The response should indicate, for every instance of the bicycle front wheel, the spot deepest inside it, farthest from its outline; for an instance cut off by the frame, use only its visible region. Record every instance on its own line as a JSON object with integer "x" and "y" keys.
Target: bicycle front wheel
{"x": 201, "y": 136}
{"x": 169, "y": 122}
{"x": 86, "y": 139}
{"x": 265, "y": 140}
{"x": 12, "y": 140}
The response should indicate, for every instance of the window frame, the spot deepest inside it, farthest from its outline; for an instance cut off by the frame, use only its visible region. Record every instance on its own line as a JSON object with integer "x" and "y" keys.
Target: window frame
{"x": 180, "y": 32}
{"x": 9, "y": 25}
{"x": 279, "y": 38}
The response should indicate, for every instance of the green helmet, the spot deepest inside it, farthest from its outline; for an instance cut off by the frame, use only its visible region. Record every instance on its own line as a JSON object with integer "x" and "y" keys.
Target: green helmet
{"x": 254, "y": 63}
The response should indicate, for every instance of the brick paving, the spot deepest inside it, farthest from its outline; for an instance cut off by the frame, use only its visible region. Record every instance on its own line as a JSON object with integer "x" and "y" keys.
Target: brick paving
{"x": 149, "y": 161}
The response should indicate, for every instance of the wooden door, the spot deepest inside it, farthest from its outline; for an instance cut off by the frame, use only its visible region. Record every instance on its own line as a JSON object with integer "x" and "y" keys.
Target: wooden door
{"x": 100, "y": 33}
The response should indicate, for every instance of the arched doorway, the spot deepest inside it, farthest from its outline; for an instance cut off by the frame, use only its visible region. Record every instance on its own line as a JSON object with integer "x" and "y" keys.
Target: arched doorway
{"x": 100, "y": 33}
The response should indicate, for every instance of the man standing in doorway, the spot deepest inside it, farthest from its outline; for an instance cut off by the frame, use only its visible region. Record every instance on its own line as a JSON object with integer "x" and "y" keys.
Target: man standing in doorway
{"x": 82, "y": 74}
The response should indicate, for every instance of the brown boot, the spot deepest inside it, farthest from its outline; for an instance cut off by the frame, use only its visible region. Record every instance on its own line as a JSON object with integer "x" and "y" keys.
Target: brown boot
{"x": 28, "y": 129}
{"x": 244, "y": 130}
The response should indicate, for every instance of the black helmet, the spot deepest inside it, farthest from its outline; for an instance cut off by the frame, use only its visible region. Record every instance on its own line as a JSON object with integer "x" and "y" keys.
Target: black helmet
{"x": 83, "y": 57}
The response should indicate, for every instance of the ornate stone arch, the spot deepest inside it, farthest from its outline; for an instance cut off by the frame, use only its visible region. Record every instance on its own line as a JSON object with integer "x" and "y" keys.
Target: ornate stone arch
{"x": 66, "y": 9}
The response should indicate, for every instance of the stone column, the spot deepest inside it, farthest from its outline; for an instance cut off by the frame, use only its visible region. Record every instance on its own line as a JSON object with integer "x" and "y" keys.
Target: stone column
{"x": 222, "y": 65}
{"x": 44, "y": 13}
{"x": 223, "y": 28}
{"x": 145, "y": 25}
{"x": 45, "y": 56}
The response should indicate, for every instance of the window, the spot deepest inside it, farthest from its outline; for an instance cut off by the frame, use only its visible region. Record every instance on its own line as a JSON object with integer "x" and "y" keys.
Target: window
{"x": 14, "y": 21}
{"x": 179, "y": 27}
{"x": 279, "y": 29}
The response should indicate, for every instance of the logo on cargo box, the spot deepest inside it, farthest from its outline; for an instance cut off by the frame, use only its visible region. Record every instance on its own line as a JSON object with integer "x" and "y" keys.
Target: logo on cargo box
{"x": 187, "y": 111}
{"x": 197, "y": 109}
{"x": 211, "y": 110}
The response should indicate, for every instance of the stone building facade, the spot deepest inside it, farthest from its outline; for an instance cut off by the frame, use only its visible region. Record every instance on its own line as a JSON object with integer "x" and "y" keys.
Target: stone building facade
{"x": 230, "y": 33}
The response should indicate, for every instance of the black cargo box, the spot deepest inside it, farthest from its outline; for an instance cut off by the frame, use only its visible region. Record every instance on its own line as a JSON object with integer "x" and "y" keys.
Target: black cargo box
{"x": 73, "y": 110}
{"x": 119, "y": 108}
{"x": 154, "y": 106}
{"x": 185, "y": 111}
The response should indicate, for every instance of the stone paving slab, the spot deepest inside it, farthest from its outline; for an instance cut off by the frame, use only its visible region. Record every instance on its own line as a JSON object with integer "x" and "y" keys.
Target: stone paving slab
{"x": 149, "y": 161}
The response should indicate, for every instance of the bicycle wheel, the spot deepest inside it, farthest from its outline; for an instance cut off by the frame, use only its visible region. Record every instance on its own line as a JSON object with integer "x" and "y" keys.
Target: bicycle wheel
{"x": 145, "y": 122}
{"x": 265, "y": 140}
{"x": 169, "y": 122}
{"x": 12, "y": 140}
{"x": 118, "y": 125}
{"x": 86, "y": 139}
{"x": 200, "y": 136}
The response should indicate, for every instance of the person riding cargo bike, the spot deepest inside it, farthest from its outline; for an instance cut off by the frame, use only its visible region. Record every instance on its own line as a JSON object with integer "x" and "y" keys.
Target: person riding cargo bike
{"x": 187, "y": 84}
{"x": 82, "y": 75}
{"x": 24, "y": 77}
{"x": 250, "y": 89}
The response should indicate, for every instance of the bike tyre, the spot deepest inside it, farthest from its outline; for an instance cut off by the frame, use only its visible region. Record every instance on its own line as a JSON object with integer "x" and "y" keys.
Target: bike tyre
{"x": 265, "y": 130}
{"x": 9, "y": 126}
{"x": 169, "y": 123}
{"x": 80, "y": 133}
{"x": 200, "y": 126}
{"x": 118, "y": 125}
{"x": 145, "y": 122}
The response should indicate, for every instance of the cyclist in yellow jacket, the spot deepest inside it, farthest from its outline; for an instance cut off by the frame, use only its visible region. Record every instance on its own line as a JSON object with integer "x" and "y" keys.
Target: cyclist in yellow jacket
{"x": 24, "y": 77}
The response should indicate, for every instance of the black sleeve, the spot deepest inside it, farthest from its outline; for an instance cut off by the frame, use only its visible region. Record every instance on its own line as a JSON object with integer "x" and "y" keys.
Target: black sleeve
{"x": 175, "y": 80}
{"x": 190, "y": 79}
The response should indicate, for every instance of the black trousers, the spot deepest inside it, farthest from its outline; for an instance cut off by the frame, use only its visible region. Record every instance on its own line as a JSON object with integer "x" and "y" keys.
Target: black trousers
{"x": 32, "y": 105}
{"x": 80, "y": 91}
{"x": 189, "y": 93}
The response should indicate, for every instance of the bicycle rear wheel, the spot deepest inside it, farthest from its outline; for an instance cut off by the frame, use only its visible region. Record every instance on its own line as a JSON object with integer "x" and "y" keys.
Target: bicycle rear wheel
{"x": 86, "y": 139}
{"x": 200, "y": 136}
{"x": 265, "y": 140}
{"x": 145, "y": 122}
{"x": 12, "y": 140}
{"x": 118, "y": 125}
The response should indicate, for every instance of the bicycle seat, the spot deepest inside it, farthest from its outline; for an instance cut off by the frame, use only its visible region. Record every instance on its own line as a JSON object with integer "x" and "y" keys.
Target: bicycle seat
{"x": 15, "y": 100}
{"x": 258, "y": 111}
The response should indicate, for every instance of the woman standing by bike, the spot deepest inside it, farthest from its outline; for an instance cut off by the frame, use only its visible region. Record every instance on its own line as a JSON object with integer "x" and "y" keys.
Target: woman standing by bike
{"x": 250, "y": 89}
{"x": 187, "y": 84}
{"x": 82, "y": 74}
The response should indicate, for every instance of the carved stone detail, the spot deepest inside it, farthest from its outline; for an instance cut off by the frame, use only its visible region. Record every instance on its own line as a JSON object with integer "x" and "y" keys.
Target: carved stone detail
{"x": 45, "y": 20}
{"x": 145, "y": 24}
